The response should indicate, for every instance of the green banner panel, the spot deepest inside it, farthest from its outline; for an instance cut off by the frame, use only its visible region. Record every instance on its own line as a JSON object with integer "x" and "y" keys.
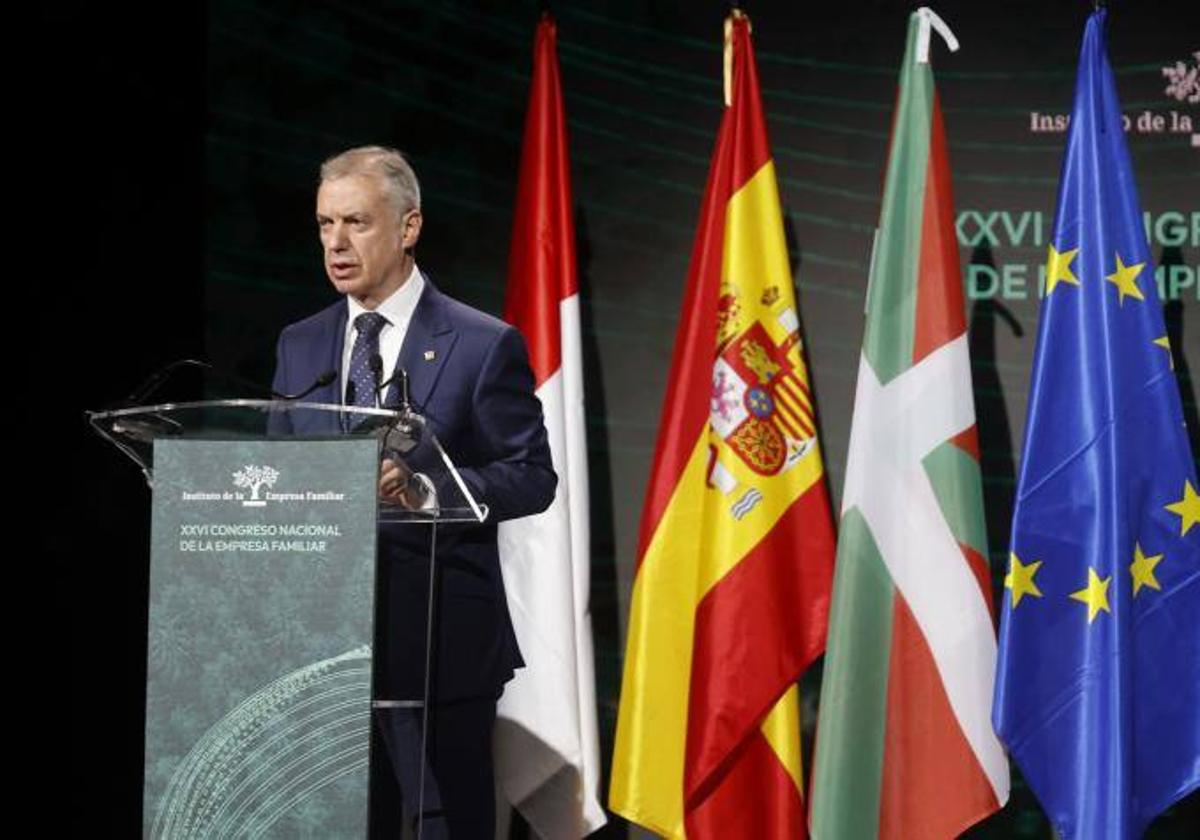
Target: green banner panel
{"x": 261, "y": 611}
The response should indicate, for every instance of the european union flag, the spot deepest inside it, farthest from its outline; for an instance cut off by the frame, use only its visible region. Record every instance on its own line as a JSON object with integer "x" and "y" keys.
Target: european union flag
{"x": 1098, "y": 679}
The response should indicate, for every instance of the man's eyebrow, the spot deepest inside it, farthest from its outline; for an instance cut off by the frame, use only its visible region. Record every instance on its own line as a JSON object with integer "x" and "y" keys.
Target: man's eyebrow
{"x": 351, "y": 217}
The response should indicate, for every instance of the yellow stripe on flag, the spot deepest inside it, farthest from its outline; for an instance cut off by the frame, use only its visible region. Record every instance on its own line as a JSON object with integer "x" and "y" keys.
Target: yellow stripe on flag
{"x": 781, "y": 728}
{"x": 647, "y": 776}
{"x": 755, "y": 257}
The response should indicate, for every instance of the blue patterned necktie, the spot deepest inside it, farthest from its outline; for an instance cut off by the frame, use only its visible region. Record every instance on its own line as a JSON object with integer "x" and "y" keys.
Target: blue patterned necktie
{"x": 362, "y": 378}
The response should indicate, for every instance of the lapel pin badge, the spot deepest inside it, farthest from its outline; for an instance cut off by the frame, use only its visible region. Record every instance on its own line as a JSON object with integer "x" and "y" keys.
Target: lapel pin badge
{"x": 430, "y": 355}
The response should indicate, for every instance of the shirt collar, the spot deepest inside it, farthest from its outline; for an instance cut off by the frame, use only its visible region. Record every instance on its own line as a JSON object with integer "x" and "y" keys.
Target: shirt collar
{"x": 399, "y": 306}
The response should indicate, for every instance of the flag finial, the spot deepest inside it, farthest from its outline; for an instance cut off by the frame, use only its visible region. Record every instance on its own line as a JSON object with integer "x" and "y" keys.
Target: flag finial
{"x": 929, "y": 18}
{"x": 727, "y": 61}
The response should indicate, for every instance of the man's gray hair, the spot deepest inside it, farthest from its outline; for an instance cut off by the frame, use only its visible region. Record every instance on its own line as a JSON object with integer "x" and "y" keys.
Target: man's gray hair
{"x": 399, "y": 180}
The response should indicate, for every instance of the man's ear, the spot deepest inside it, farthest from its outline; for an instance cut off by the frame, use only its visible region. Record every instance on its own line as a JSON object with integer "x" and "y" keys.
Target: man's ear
{"x": 410, "y": 229}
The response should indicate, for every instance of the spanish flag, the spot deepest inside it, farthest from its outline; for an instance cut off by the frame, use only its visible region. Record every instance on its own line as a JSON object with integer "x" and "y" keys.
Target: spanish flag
{"x": 735, "y": 560}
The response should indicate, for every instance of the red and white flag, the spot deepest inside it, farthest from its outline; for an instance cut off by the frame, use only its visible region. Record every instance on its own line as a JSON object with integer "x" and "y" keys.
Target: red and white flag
{"x": 546, "y": 747}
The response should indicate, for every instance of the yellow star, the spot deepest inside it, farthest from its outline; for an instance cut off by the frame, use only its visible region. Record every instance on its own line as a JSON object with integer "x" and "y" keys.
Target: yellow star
{"x": 1142, "y": 569}
{"x": 1187, "y": 508}
{"x": 1095, "y": 595}
{"x": 1058, "y": 268}
{"x": 1020, "y": 579}
{"x": 1125, "y": 279}
{"x": 1165, "y": 343}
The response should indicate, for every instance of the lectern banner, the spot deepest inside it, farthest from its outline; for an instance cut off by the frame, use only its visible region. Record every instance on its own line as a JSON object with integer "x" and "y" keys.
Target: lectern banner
{"x": 259, "y": 665}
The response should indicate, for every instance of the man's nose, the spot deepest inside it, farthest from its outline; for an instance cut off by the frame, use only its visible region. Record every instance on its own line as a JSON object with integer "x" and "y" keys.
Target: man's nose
{"x": 337, "y": 238}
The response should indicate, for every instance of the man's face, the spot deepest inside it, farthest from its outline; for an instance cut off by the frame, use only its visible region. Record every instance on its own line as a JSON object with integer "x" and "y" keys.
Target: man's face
{"x": 366, "y": 245}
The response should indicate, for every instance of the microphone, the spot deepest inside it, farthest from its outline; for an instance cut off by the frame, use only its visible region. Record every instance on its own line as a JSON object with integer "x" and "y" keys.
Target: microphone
{"x": 404, "y": 402}
{"x": 376, "y": 363}
{"x": 408, "y": 429}
{"x": 320, "y": 382}
{"x": 155, "y": 380}
{"x": 401, "y": 376}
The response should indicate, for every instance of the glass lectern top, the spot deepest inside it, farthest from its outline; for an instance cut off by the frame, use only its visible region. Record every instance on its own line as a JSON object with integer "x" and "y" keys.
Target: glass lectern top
{"x": 403, "y": 435}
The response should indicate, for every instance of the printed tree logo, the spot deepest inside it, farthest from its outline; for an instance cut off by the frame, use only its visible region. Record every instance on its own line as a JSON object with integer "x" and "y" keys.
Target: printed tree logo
{"x": 1183, "y": 81}
{"x": 254, "y": 477}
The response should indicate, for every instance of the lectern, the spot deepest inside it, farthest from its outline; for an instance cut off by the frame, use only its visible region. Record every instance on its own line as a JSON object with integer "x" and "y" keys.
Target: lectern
{"x": 263, "y": 581}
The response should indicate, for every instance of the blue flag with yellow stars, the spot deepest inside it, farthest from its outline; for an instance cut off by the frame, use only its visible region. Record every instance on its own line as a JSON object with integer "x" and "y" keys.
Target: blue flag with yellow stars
{"x": 1098, "y": 678}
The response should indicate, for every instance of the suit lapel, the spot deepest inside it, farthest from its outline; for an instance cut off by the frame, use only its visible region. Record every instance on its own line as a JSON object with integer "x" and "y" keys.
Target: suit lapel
{"x": 337, "y": 342}
{"x": 427, "y": 345}
{"x": 322, "y": 352}
{"x": 324, "y": 422}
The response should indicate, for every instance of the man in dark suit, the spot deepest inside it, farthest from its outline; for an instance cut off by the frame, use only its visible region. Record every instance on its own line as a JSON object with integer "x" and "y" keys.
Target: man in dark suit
{"x": 469, "y": 376}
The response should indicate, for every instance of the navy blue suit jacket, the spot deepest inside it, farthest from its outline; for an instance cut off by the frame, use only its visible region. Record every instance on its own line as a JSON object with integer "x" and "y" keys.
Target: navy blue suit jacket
{"x": 476, "y": 391}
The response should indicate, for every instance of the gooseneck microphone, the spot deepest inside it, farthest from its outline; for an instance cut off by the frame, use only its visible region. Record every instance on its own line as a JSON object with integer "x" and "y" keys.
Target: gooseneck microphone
{"x": 376, "y": 363}
{"x": 404, "y": 401}
{"x": 156, "y": 379}
{"x": 400, "y": 376}
{"x": 320, "y": 382}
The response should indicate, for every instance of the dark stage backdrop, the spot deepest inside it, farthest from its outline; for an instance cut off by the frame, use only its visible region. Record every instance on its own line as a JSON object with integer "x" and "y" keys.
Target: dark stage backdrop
{"x": 285, "y": 84}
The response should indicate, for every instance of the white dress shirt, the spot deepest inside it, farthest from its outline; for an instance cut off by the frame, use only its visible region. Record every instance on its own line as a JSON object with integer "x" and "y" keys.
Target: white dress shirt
{"x": 398, "y": 311}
